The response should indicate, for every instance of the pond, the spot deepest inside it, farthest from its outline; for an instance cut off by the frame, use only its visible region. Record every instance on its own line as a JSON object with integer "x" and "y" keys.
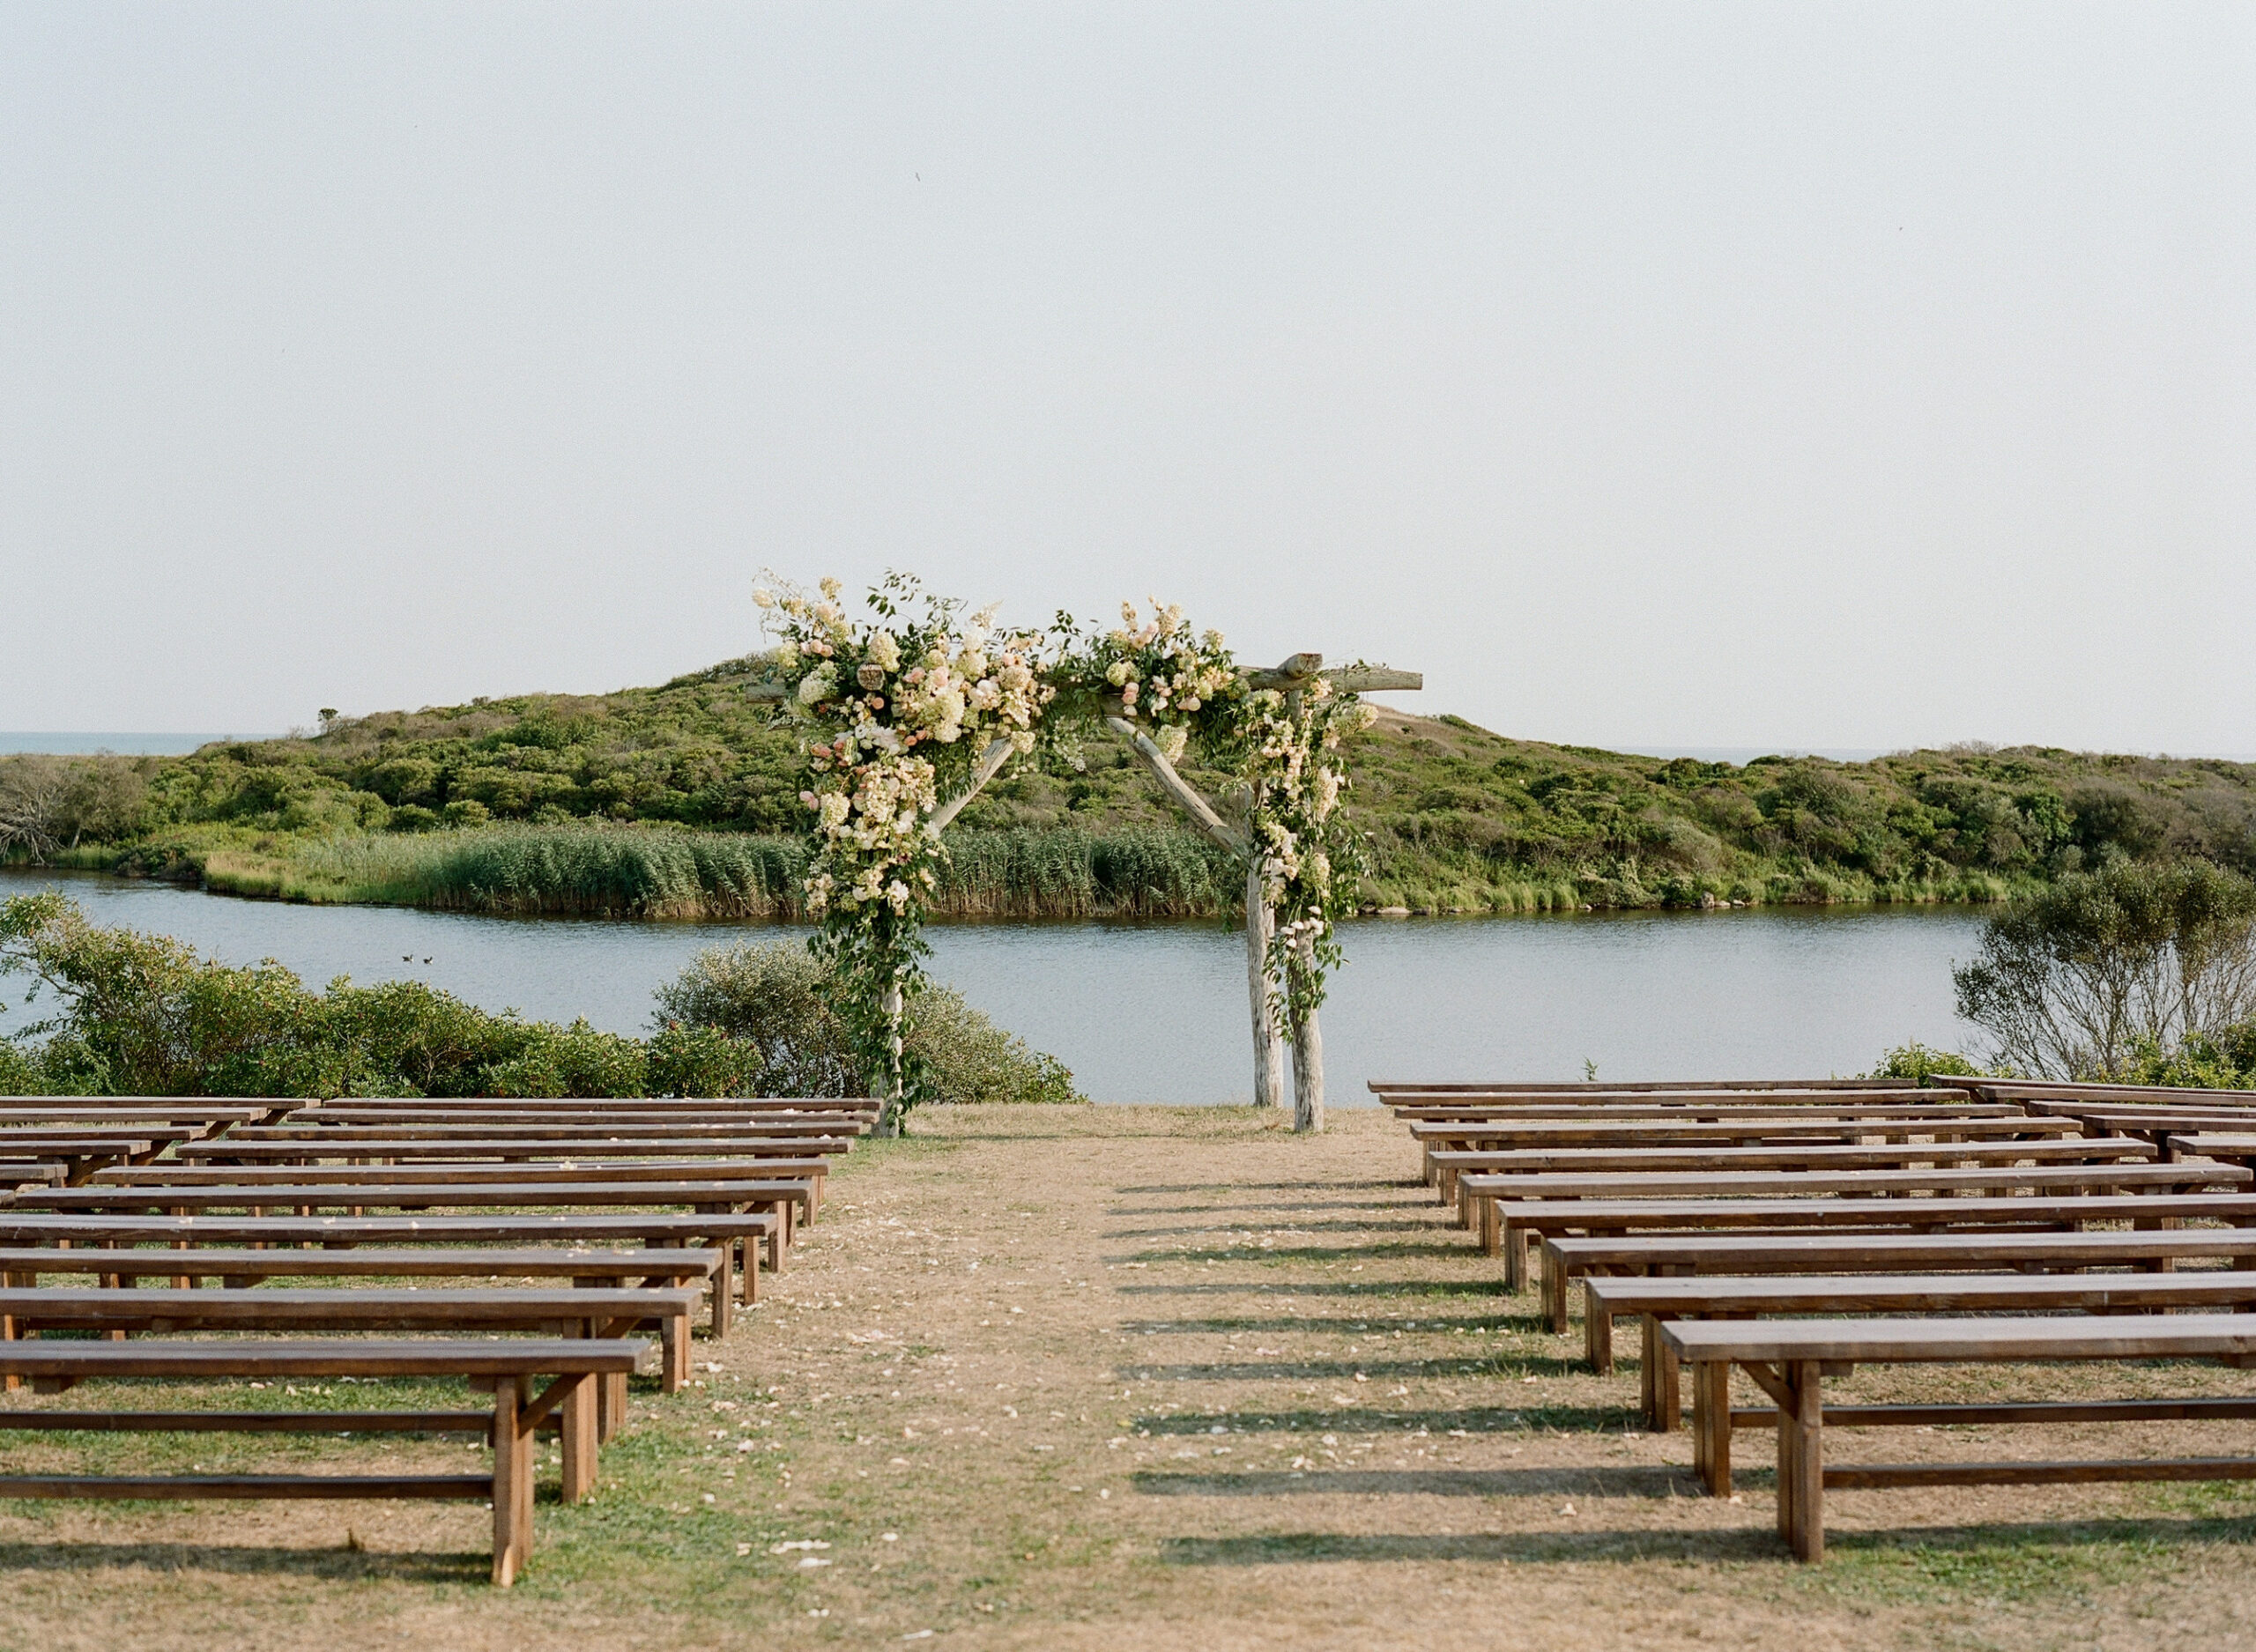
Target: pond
{"x": 1157, "y": 1011}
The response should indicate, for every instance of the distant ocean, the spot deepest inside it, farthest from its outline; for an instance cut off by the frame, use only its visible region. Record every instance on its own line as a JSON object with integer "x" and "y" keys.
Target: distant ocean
{"x": 79, "y": 745}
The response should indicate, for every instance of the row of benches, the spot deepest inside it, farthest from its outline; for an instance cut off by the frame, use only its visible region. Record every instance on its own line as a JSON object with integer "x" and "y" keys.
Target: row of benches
{"x": 1701, "y": 1208}
{"x": 548, "y": 1196}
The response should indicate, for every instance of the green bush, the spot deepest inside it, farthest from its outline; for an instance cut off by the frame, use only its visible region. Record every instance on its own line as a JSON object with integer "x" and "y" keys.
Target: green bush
{"x": 145, "y": 1015}
{"x": 2073, "y": 981}
{"x": 774, "y": 1000}
{"x": 1912, "y": 1062}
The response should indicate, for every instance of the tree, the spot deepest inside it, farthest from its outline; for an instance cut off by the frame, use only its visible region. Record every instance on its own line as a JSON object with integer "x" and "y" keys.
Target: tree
{"x": 2076, "y": 980}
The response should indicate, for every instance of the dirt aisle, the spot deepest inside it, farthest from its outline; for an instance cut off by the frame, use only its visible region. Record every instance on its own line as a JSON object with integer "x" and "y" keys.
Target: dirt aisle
{"x": 1171, "y": 1377}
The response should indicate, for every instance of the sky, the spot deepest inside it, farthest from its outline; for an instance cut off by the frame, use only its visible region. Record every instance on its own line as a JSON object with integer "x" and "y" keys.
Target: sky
{"x": 1796, "y": 376}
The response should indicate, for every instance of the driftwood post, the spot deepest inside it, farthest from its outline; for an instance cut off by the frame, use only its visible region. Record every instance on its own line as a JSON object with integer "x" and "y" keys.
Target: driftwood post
{"x": 1307, "y": 1033}
{"x": 1268, "y": 1048}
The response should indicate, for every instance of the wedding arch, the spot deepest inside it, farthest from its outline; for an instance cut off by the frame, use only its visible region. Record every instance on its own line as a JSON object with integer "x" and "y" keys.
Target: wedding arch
{"x": 905, "y": 715}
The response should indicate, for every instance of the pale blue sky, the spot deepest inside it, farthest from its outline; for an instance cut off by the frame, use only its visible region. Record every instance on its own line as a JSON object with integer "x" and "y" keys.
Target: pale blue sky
{"x": 1798, "y": 375}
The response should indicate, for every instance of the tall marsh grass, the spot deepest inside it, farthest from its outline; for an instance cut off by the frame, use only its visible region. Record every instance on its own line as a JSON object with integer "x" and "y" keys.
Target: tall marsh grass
{"x": 654, "y": 872}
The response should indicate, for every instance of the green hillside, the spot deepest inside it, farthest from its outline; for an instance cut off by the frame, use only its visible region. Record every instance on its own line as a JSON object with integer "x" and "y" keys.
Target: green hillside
{"x": 684, "y": 799}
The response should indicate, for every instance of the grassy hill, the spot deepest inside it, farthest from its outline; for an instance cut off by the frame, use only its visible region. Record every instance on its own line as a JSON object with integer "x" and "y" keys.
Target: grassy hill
{"x": 683, "y": 799}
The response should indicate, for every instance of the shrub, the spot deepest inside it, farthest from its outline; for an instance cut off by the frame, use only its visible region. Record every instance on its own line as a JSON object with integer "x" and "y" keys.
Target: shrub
{"x": 776, "y": 998}
{"x": 145, "y": 1015}
{"x": 1912, "y": 1062}
{"x": 2073, "y": 981}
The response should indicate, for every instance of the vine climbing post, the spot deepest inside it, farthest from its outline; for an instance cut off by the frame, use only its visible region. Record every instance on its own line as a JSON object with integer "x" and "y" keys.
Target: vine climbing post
{"x": 891, "y": 707}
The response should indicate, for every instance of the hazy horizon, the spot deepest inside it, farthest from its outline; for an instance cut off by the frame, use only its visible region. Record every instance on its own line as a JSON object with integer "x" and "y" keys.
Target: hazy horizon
{"x": 1742, "y": 377}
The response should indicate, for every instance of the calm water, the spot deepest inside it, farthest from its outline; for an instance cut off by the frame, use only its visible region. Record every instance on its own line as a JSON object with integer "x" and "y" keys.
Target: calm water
{"x": 1157, "y": 1011}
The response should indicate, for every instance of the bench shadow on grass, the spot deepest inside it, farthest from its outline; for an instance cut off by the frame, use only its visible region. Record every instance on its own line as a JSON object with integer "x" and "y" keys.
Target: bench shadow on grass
{"x": 336, "y": 1564}
{"x": 1439, "y": 1423}
{"x": 2037, "y": 1556}
{"x": 1319, "y": 1226}
{"x": 1358, "y": 1184}
{"x": 1654, "y": 1482}
{"x": 1331, "y": 1547}
{"x": 1347, "y": 1371}
{"x": 1381, "y": 1288}
{"x": 1377, "y": 1250}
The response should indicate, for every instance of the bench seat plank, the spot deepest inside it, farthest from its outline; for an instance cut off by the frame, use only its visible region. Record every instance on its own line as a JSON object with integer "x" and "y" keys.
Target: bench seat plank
{"x": 1790, "y": 1359}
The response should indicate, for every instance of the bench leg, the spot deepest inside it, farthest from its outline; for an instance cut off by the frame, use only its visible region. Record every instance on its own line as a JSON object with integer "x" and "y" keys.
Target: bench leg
{"x": 1661, "y": 1378}
{"x": 1802, "y": 1463}
{"x": 1712, "y": 1425}
{"x": 673, "y": 1354}
{"x": 1514, "y": 1242}
{"x": 579, "y": 1420}
{"x": 513, "y": 1450}
{"x": 610, "y": 1404}
{"x": 1491, "y": 1237}
{"x": 724, "y": 1287}
{"x": 1598, "y": 1339}
{"x": 1555, "y": 1288}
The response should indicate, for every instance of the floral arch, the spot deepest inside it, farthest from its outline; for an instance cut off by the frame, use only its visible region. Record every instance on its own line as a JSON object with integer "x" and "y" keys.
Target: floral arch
{"x": 908, "y": 710}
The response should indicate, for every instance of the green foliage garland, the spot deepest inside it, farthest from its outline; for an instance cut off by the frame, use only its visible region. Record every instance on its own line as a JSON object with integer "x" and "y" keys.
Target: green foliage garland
{"x": 896, "y": 710}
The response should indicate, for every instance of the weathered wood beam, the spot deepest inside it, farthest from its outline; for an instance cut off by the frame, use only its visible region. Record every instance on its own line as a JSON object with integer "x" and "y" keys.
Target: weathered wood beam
{"x": 1371, "y": 678}
{"x": 1179, "y": 789}
{"x": 989, "y": 764}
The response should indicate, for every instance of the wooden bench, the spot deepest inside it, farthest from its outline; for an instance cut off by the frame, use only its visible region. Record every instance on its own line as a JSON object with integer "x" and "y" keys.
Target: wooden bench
{"x": 1688, "y": 1107}
{"x": 1657, "y": 1300}
{"x": 80, "y": 1155}
{"x": 1387, "y": 1088}
{"x": 1537, "y": 1220}
{"x": 1435, "y": 1138}
{"x": 2077, "y": 1150}
{"x": 568, "y": 1312}
{"x": 1789, "y": 1360}
{"x": 1566, "y": 1260}
{"x": 99, "y": 1110}
{"x": 465, "y": 1164}
{"x": 491, "y": 1121}
{"x": 782, "y": 1197}
{"x": 720, "y": 1233}
{"x": 509, "y": 1369}
{"x": 648, "y": 1270}
{"x": 1507, "y": 1210}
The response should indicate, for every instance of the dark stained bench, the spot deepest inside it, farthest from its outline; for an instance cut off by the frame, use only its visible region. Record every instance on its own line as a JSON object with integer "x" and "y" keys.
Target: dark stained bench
{"x": 1438, "y": 1136}
{"x": 462, "y": 1165}
{"x": 782, "y": 1197}
{"x": 720, "y": 1233}
{"x": 510, "y": 1370}
{"x": 601, "y": 1313}
{"x": 1788, "y": 1359}
{"x": 1656, "y": 1301}
{"x": 2155, "y": 1250}
{"x": 648, "y": 1269}
{"x": 1505, "y": 1209}
{"x": 2080, "y": 1150}
{"x": 1536, "y": 1220}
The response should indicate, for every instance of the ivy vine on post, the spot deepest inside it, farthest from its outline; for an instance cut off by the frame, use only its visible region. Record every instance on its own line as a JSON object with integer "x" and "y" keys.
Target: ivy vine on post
{"x": 1310, "y": 860}
{"x": 898, "y": 710}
